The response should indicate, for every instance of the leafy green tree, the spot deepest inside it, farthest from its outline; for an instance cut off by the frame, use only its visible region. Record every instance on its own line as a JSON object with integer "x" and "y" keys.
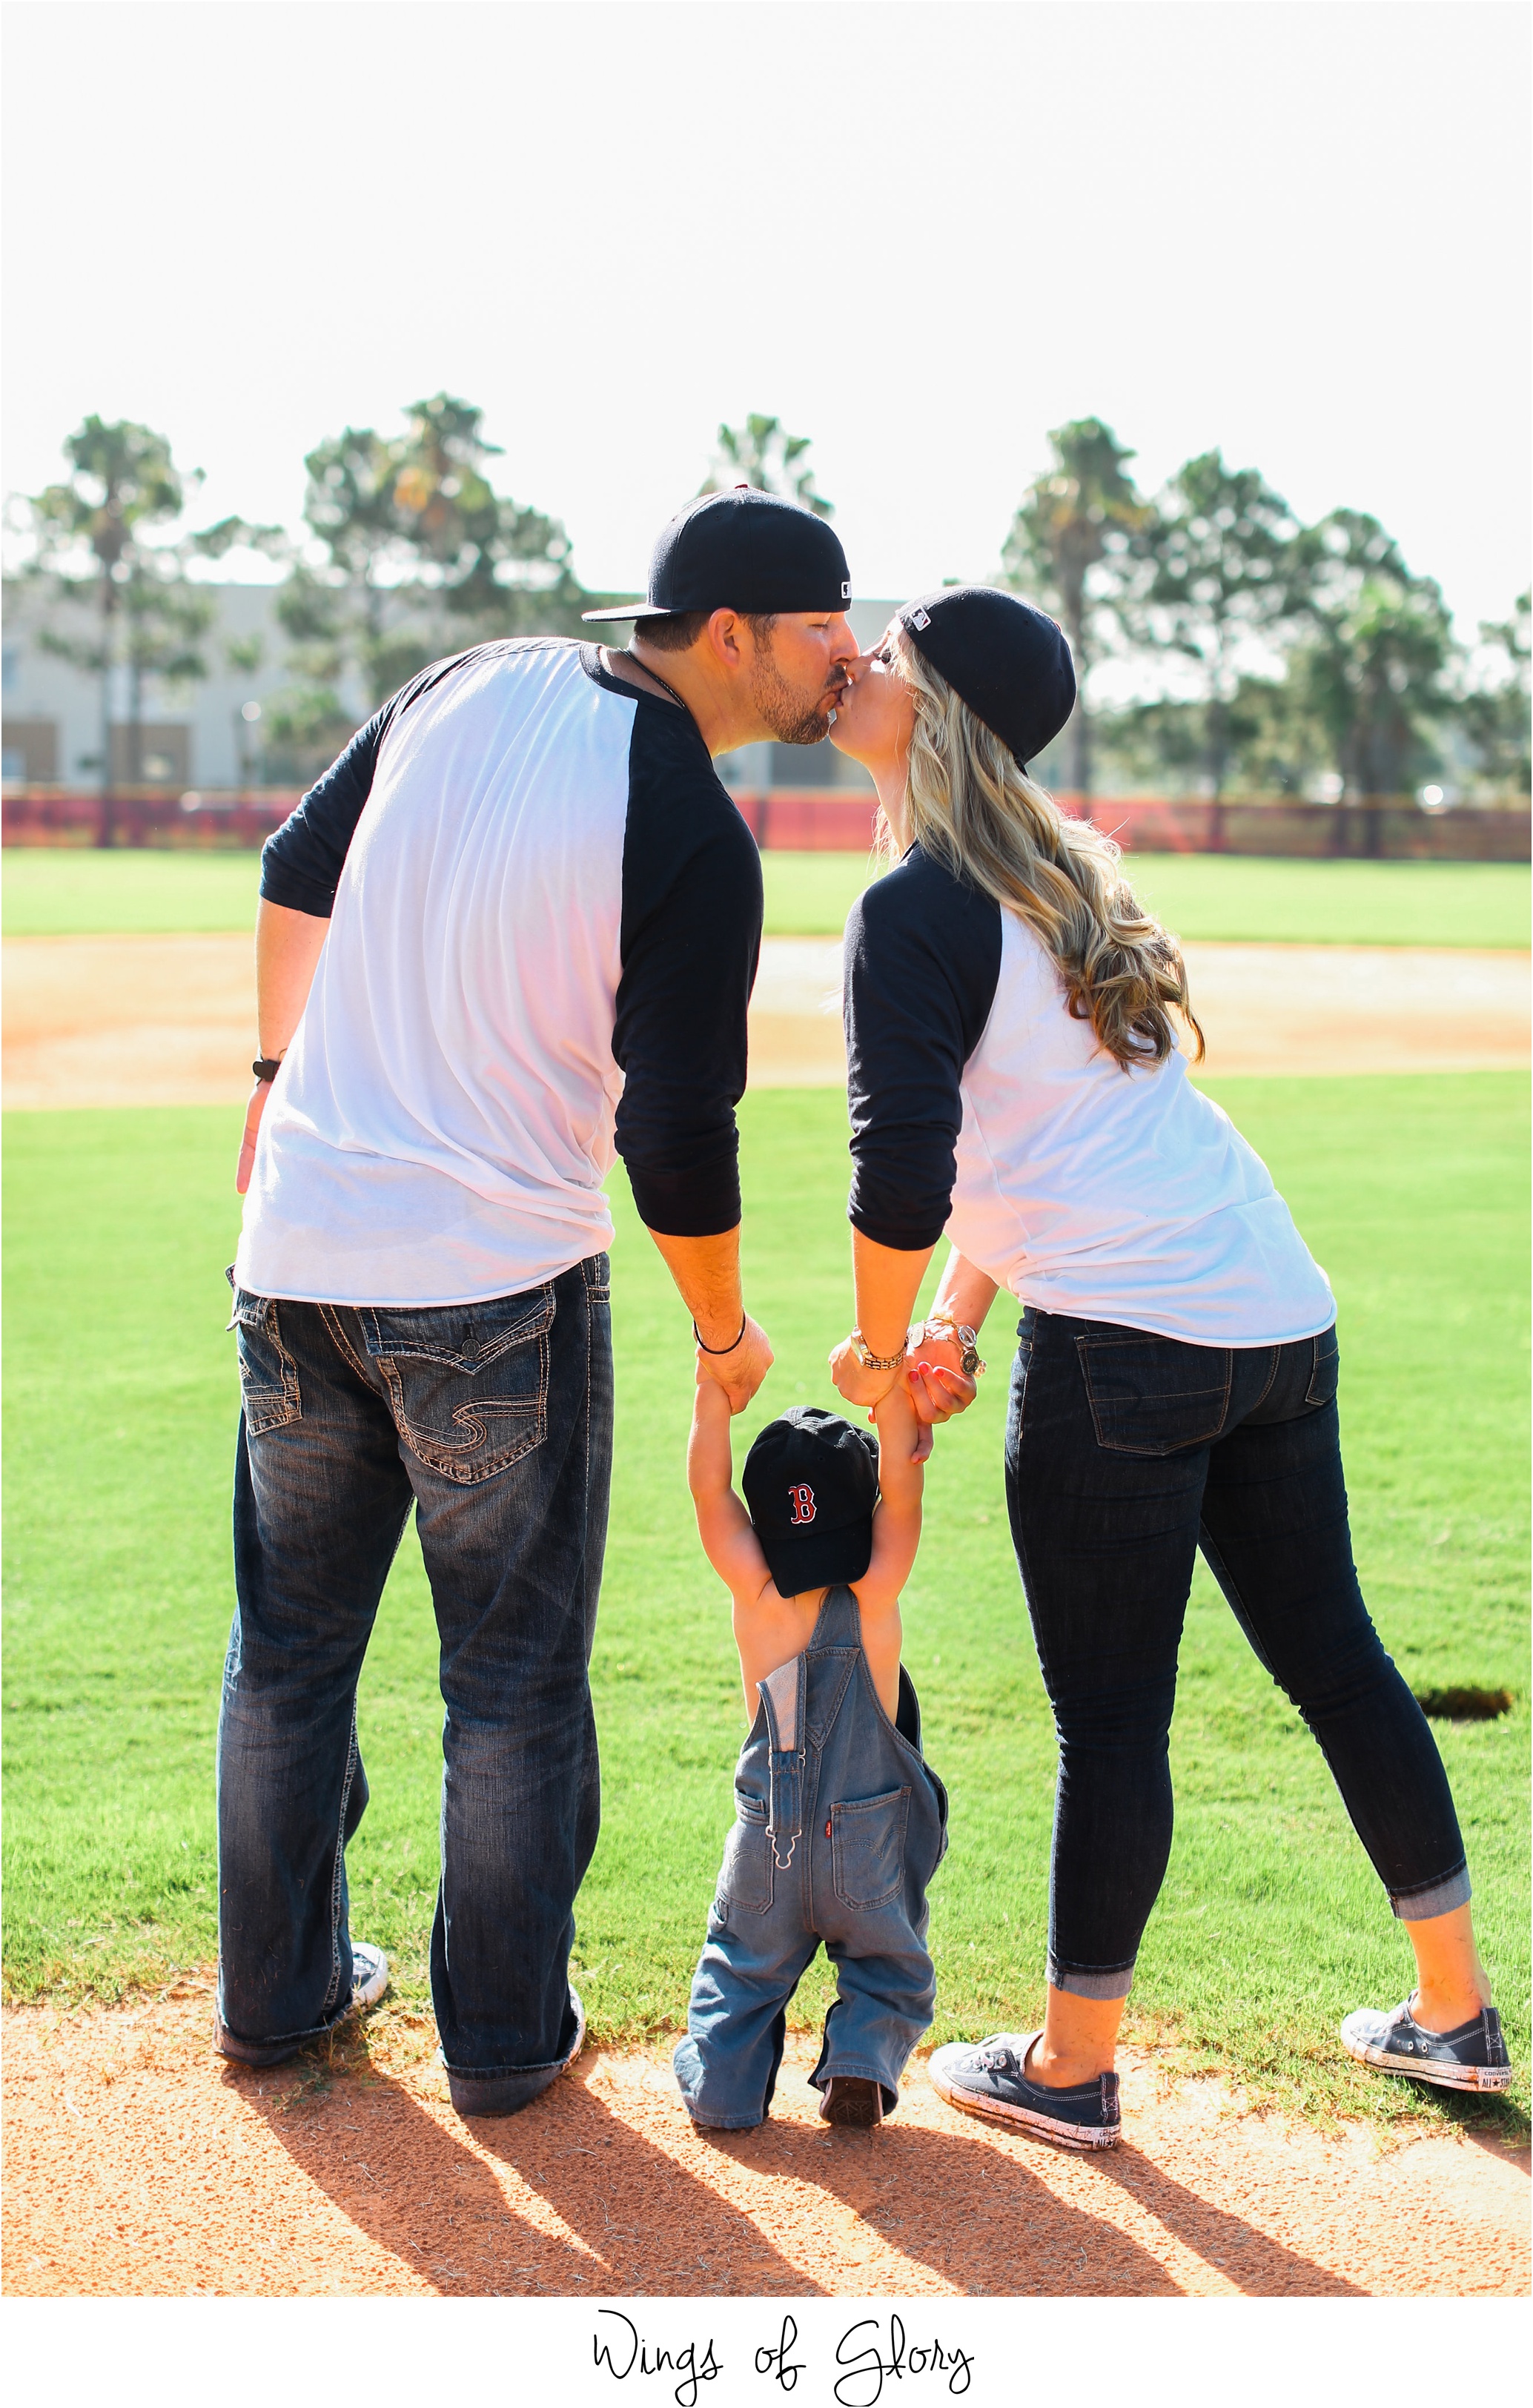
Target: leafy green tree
{"x": 113, "y": 597}
{"x": 763, "y": 453}
{"x": 164, "y": 620}
{"x": 1073, "y": 545}
{"x": 1495, "y": 712}
{"x": 418, "y": 554}
{"x": 1221, "y": 551}
{"x": 1371, "y": 666}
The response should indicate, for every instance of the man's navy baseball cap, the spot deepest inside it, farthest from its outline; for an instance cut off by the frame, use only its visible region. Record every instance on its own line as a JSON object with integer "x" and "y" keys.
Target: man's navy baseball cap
{"x": 1006, "y": 658}
{"x": 744, "y": 550}
{"x": 811, "y": 1484}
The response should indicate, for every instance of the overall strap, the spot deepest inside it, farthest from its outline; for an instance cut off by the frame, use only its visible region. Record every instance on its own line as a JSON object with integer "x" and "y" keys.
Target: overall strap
{"x": 840, "y": 1621}
{"x": 782, "y": 1695}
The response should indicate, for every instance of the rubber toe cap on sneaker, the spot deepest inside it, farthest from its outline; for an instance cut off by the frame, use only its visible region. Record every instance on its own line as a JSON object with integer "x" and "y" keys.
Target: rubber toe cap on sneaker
{"x": 369, "y": 1975}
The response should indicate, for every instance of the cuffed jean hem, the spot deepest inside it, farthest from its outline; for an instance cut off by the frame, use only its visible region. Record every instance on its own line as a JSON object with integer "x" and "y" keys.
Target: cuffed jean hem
{"x": 1091, "y": 1981}
{"x": 501, "y": 2094}
{"x": 259, "y": 2053}
{"x": 1438, "y": 1898}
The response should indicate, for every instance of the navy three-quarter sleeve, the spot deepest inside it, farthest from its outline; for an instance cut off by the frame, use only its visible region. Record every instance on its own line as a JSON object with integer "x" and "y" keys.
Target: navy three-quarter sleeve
{"x": 691, "y": 935}
{"x": 922, "y": 962}
{"x": 301, "y": 863}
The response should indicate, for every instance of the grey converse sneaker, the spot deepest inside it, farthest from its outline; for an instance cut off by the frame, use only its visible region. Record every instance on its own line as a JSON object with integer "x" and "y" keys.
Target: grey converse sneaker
{"x": 852, "y": 2101}
{"x": 1473, "y": 2056}
{"x": 989, "y": 2080}
{"x": 369, "y": 1977}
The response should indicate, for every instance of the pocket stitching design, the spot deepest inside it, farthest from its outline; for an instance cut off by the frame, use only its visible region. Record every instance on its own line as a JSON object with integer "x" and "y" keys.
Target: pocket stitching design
{"x": 534, "y": 1323}
{"x": 448, "y": 1461}
{"x": 285, "y": 1402}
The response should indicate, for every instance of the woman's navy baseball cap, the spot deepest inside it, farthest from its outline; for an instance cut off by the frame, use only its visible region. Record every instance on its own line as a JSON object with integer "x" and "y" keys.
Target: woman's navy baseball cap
{"x": 811, "y": 1484}
{"x": 743, "y": 550}
{"x": 1009, "y": 661}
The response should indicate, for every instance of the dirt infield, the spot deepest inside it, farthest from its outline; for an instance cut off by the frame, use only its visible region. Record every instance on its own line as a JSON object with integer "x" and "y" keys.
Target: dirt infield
{"x": 170, "y": 1020}
{"x": 138, "y": 2162}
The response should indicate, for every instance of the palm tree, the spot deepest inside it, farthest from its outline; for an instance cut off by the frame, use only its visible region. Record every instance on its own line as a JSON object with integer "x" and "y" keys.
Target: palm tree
{"x": 763, "y": 453}
{"x": 1082, "y": 514}
{"x": 122, "y": 480}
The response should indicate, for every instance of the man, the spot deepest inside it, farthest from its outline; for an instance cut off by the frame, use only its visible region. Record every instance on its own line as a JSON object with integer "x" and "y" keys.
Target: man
{"x": 540, "y": 915}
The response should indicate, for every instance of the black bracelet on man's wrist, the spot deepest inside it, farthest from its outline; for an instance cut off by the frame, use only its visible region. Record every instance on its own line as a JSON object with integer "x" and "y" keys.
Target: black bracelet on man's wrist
{"x": 722, "y": 1350}
{"x": 265, "y": 1067}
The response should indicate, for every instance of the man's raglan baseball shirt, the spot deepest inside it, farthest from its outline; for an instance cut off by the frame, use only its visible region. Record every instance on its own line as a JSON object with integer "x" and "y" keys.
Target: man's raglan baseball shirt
{"x": 545, "y": 913}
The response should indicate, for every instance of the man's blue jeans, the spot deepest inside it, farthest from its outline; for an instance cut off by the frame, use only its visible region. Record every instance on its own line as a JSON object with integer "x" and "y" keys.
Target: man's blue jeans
{"x": 496, "y": 1420}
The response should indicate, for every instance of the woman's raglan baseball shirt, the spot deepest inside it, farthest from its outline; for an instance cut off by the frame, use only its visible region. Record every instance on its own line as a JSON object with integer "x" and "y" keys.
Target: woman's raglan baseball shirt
{"x": 545, "y": 915}
{"x": 980, "y": 1107}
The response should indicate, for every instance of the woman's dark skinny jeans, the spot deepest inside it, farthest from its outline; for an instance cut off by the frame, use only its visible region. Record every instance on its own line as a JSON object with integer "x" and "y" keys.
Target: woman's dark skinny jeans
{"x": 1124, "y": 1453}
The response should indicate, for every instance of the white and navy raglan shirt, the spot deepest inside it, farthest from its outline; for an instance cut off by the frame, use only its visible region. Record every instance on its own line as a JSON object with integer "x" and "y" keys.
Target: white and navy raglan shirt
{"x": 980, "y": 1107}
{"x": 545, "y": 915}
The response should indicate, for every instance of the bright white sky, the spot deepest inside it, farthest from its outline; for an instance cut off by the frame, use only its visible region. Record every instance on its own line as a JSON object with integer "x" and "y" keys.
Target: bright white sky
{"x": 921, "y": 234}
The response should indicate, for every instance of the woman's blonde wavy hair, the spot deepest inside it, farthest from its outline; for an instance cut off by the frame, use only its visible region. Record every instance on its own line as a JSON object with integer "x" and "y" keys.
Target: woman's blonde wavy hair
{"x": 968, "y": 804}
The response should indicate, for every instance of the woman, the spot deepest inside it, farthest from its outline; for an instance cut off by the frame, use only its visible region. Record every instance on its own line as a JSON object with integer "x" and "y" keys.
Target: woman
{"x": 1016, "y": 1078}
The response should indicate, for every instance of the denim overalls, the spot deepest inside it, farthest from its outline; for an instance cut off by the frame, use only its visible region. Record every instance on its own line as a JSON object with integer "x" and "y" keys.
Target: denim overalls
{"x": 839, "y": 1825}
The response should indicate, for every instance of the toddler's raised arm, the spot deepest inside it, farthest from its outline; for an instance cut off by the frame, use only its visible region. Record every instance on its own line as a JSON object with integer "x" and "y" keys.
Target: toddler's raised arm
{"x": 896, "y": 1535}
{"x": 724, "y": 1525}
{"x": 896, "y": 1520}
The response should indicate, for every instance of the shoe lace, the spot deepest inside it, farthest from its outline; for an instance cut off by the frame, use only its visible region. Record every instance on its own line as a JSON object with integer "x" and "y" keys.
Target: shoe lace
{"x": 998, "y": 2057}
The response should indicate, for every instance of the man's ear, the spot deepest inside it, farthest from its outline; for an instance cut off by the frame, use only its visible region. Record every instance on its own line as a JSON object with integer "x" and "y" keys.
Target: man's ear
{"x": 728, "y": 638}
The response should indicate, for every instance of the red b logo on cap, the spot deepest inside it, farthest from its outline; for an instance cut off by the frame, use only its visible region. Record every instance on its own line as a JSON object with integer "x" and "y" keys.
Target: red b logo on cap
{"x": 802, "y": 1499}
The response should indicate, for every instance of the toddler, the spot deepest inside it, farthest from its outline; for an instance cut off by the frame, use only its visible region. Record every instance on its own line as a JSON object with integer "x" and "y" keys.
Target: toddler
{"x": 840, "y": 1823}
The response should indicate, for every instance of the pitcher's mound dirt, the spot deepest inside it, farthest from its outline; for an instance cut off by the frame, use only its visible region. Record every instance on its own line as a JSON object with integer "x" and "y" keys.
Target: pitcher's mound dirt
{"x": 138, "y": 2162}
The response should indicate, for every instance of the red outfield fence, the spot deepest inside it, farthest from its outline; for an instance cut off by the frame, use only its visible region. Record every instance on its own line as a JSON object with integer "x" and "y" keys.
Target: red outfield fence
{"x": 800, "y": 820}
{"x": 805, "y": 819}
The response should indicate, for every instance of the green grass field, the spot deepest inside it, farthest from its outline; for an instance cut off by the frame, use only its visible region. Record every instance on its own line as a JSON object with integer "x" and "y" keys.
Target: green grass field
{"x": 1213, "y": 895}
{"x": 122, "y": 1399}
{"x": 65, "y": 892}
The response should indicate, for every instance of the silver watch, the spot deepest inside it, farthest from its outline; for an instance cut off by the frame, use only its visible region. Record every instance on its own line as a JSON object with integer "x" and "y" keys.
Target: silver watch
{"x": 956, "y": 1333}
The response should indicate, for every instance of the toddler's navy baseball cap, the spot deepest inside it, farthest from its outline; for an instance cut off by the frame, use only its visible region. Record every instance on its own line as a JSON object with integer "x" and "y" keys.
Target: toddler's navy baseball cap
{"x": 1008, "y": 660}
{"x": 744, "y": 550}
{"x": 811, "y": 1484}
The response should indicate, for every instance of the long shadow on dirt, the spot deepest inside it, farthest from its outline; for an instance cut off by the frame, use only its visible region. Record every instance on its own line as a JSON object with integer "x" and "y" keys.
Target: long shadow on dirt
{"x": 422, "y": 2195}
{"x": 637, "y": 2224}
{"x": 957, "y": 2205}
{"x": 1250, "y": 2258}
{"x": 660, "y": 2231}
{"x": 989, "y": 2224}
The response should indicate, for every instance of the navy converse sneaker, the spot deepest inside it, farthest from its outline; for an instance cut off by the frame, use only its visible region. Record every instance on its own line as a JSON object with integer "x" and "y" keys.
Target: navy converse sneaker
{"x": 1473, "y": 2056}
{"x": 988, "y": 2079}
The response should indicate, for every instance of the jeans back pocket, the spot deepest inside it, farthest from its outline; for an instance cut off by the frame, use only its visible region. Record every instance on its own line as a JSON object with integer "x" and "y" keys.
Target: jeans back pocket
{"x": 468, "y": 1384}
{"x": 1326, "y": 1373}
{"x": 745, "y": 1877}
{"x": 868, "y": 1848}
{"x": 1154, "y": 1396}
{"x": 268, "y": 1376}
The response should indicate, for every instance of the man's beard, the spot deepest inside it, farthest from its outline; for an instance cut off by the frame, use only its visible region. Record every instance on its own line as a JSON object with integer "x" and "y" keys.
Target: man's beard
{"x": 791, "y": 719}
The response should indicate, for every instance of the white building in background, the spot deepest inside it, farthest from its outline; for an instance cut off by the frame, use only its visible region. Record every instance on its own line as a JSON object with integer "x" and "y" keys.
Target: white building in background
{"x": 207, "y": 733}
